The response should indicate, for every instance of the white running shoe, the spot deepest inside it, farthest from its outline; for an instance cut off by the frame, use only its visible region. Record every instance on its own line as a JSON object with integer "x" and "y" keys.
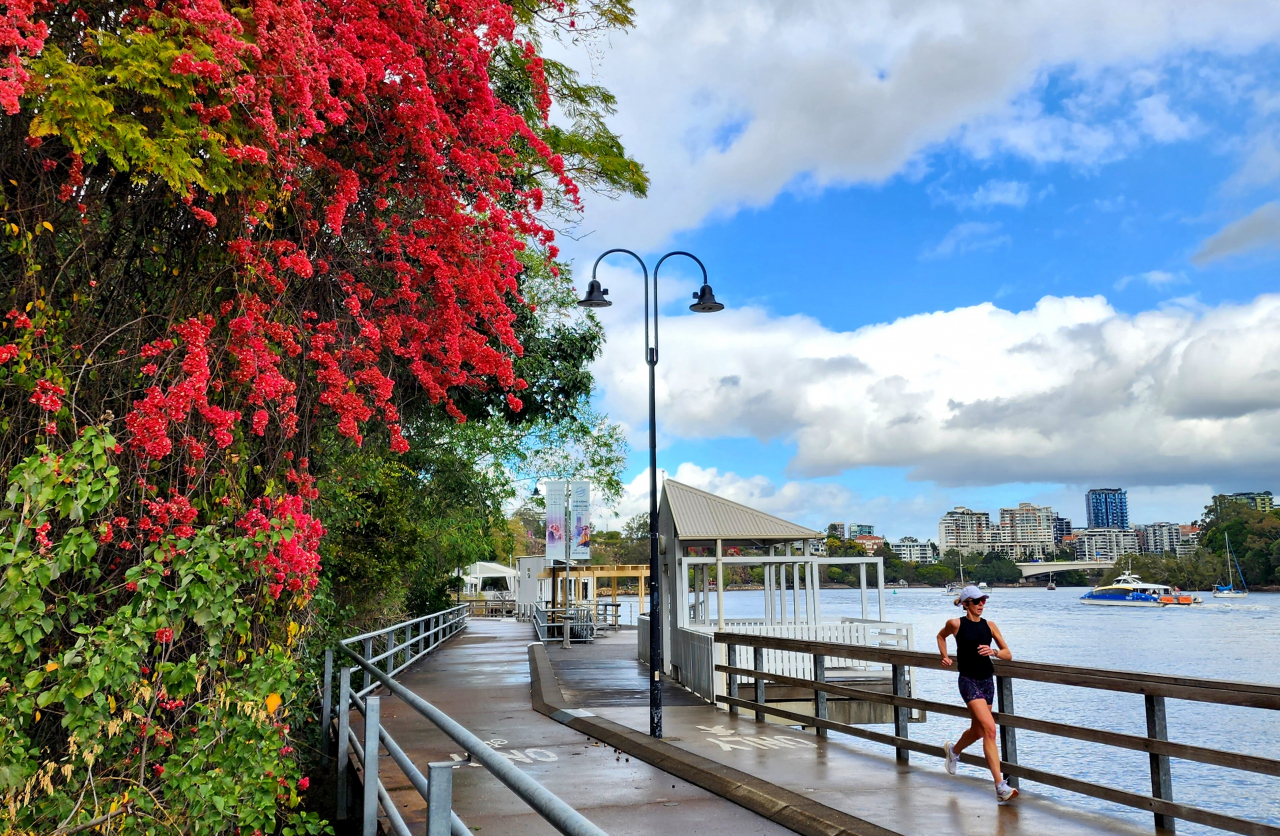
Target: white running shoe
{"x": 952, "y": 759}
{"x": 1004, "y": 792}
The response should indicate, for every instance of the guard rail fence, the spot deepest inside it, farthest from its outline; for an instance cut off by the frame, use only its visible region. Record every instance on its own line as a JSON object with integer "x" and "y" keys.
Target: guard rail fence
{"x": 1154, "y": 688}
{"x": 382, "y": 654}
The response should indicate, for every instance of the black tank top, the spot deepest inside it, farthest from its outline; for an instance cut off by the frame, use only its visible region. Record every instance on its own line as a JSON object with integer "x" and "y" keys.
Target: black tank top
{"x": 970, "y": 636}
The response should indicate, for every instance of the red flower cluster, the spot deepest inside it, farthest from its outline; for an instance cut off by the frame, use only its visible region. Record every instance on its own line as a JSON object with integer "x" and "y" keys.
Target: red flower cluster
{"x": 48, "y": 396}
{"x": 164, "y": 635}
{"x": 294, "y": 562}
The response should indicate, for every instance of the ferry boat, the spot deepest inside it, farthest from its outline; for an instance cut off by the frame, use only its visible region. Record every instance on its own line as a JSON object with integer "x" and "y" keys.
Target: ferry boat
{"x": 1129, "y": 590}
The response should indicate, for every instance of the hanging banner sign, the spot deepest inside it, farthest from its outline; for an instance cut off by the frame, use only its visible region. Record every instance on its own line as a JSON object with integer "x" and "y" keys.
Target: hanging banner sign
{"x": 555, "y": 492}
{"x": 580, "y": 517}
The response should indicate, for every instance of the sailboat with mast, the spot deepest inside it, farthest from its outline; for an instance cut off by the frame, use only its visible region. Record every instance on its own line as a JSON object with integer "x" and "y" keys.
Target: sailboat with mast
{"x": 1230, "y": 590}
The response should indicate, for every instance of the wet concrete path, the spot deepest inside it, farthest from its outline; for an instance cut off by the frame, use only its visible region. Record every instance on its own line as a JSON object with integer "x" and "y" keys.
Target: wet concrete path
{"x": 858, "y": 778}
{"x": 481, "y": 679}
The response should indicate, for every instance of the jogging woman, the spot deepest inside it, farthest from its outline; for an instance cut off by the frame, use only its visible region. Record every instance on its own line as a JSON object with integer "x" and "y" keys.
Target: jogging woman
{"x": 974, "y": 635}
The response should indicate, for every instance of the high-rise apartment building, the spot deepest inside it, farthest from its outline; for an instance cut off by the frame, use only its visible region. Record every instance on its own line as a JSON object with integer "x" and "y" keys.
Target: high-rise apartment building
{"x": 1025, "y": 531}
{"x": 963, "y": 529}
{"x": 1105, "y": 543}
{"x": 1158, "y": 538}
{"x": 909, "y": 548}
{"x": 1061, "y": 529}
{"x": 859, "y": 530}
{"x": 1258, "y": 501}
{"x": 1106, "y": 508}
{"x": 836, "y": 530}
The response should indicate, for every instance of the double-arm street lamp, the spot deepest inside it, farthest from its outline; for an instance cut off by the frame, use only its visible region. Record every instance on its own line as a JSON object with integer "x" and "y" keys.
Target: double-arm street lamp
{"x": 706, "y": 303}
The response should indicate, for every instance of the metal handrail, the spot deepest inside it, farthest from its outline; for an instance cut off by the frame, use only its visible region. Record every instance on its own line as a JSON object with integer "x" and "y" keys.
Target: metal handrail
{"x": 435, "y": 787}
{"x": 545, "y": 803}
{"x": 1154, "y": 687}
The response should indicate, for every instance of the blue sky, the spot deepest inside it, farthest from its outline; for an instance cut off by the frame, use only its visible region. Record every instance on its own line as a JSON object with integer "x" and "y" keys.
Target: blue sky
{"x": 1089, "y": 232}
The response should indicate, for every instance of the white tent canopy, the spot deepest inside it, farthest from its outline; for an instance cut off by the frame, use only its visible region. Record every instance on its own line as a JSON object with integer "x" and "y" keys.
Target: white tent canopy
{"x": 473, "y": 576}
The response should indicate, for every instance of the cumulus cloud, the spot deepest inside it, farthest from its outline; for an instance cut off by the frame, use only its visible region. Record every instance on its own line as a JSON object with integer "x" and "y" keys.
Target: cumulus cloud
{"x": 730, "y": 104}
{"x": 1071, "y": 391}
{"x": 1258, "y": 230}
{"x": 968, "y": 237}
{"x": 814, "y": 504}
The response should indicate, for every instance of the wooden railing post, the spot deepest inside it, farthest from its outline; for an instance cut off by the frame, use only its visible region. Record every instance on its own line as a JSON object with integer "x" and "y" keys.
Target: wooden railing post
{"x": 819, "y": 696}
{"x": 757, "y": 664}
{"x": 731, "y": 659}
{"x": 901, "y": 714}
{"x": 1161, "y": 777}
{"x": 1008, "y": 735}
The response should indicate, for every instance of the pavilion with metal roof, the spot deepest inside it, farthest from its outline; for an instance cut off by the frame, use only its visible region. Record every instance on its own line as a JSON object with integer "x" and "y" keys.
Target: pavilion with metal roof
{"x": 702, "y": 532}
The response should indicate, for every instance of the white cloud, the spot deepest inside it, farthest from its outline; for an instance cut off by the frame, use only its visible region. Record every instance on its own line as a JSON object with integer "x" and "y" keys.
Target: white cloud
{"x": 1260, "y": 229}
{"x": 989, "y": 195}
{"x": 1153, "y": 278}
{"x": 968, "y": 237}
{"x": 1070, "y": 391}
{"x": 810, "y": 503}
{"x": 730, "y": 104}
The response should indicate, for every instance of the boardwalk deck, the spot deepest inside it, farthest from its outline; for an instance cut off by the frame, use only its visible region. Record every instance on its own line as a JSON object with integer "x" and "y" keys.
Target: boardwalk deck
{"x": 481, "y": 679}
{"x": 838, "y": 772}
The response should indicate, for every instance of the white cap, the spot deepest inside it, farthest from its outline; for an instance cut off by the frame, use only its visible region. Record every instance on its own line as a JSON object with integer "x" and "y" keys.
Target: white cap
{"x": 972, "y": 593}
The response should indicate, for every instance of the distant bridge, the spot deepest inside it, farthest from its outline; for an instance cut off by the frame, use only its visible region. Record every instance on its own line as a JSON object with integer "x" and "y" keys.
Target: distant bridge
{"x": 1030, "y": 570}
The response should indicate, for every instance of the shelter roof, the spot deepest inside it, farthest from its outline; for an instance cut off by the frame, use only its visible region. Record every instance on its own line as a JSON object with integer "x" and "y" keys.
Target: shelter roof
{"x": 485, "y": 569}
{"x": 699, "y": 515}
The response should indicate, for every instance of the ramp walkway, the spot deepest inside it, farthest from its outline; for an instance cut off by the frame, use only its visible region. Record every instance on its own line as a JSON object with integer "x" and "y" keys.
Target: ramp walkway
{"x": 481, "y": 679}
{"x": 833, "y": 772}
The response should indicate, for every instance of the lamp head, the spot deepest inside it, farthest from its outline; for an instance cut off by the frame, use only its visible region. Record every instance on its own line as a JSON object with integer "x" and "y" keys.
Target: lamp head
{"x": 706, "y": 301}
{"x": 595, "y": 296}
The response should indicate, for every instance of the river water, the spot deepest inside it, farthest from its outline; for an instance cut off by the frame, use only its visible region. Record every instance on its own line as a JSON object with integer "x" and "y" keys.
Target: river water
{"x": 1236, "y": 640}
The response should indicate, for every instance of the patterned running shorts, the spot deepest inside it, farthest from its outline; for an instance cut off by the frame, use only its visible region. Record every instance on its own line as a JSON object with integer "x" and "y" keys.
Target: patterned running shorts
{"x": 978, "y": 689}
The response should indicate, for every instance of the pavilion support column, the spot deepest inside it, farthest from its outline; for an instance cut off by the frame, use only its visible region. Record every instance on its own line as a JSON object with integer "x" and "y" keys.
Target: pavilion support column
{"x": 862, "y": 583}
{"x": 720, "y": 585}
{"x": 768, "y": 592}
{"x": 817, "y": 593}
{"x": 880, "y": 585}
{"x": 782, "y": 589}
{"x": 795, "y": 593}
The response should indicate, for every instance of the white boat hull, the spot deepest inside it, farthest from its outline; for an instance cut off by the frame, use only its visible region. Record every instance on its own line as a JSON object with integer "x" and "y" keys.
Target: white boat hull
{"x": 1232, "y": 594}
{"x": 1116, "y": 602}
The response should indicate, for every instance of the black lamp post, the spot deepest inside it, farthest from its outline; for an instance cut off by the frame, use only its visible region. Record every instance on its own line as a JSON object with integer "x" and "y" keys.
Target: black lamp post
{"x": 706, "y": 303}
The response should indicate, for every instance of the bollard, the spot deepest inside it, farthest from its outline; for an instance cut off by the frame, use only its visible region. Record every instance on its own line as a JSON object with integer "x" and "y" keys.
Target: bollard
{"x": 326, "y": 702}
{"x": 731, "y": 658}
{"x": 439, "y": 798}
{"x": 1008, "y": 734}
{"x": 344, "y": 740}
{"x": 1161, "y": 777}
{"x": 901, "y": 714}
{"x": 372, "y": 742}
{"x": 757, "y": 664}
{"x": 819, "y": 696}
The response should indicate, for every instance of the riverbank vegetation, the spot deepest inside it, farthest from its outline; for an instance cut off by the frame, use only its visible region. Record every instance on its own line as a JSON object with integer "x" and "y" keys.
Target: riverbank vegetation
{"x": 281, "y": 326}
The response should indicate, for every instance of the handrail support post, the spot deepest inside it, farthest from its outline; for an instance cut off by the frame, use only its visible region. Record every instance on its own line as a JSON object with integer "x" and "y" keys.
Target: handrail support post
{"x": 326, "y": 702}
{"x": 439, "y": 798}
{"x": 1008, "y": 734}
{"x": 344, "y": 744}
{"x": 372, "y": 742}
{"x": 731, "y": 657}
{"x": 1161, "y": 776}
{"x": 757, "y": 664}
{"x": 820, "y": 696}
{"x": 901, "y": 714}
